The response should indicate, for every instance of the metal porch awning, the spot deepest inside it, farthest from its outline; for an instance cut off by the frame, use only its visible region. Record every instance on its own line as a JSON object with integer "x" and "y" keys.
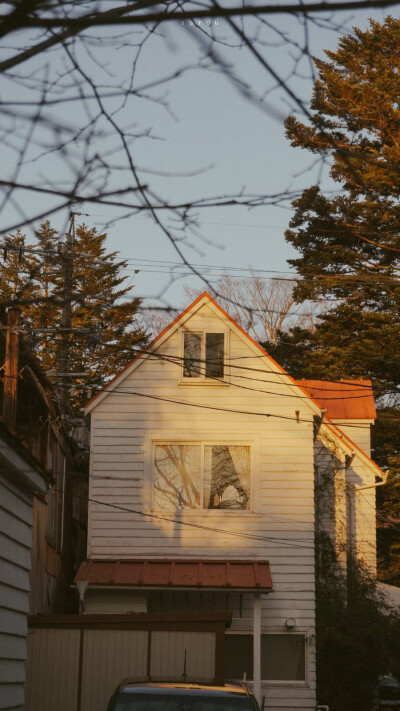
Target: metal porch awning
{"x": 178, "y": 574}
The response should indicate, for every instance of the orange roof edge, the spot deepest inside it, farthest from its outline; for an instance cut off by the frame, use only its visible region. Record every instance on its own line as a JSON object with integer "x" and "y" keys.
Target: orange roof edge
{"x": 175, "y": 321}
{"x": 146, "y": 348}
{"x": 354, "y": 399}
{"x": 349, "y": 442}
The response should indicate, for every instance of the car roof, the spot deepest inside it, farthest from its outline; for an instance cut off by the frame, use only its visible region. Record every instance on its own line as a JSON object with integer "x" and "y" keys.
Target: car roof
{"x": 228, "y": 689}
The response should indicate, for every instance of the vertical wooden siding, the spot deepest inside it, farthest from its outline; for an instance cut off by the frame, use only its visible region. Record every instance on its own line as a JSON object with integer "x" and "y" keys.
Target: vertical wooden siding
{"x": 168, "y": 653}
{"x": 52, "y": 670}
{"x": 109, "y": 656}
{"x": 79, "y": 669}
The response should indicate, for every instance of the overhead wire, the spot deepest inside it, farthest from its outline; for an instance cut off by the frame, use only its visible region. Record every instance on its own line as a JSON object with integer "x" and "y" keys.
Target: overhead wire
{"x": 224, "y": 409}
{"x": 179, "y": 360}
{"x": 295, "y": 542}
{"x": 169, "y": 264}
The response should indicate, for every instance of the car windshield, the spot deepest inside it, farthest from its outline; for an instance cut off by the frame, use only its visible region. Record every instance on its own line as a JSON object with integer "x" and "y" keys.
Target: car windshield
{"x": 389, "y": 692}
{"x": 181, "y": 702}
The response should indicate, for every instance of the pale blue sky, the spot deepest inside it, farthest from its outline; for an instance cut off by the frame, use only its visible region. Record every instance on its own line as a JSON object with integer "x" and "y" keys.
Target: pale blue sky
{"x": 211, "y": 128}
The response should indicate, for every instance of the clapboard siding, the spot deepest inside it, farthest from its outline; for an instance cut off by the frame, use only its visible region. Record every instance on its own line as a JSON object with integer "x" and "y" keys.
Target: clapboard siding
{"x": 256, "y": 405}
{"x": 358, "y": 432}
{"x": 15, "y": 564}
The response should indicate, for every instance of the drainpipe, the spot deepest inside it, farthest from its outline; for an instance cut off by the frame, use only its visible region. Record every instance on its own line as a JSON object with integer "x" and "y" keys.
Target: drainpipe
{"x": 257, "y": 646}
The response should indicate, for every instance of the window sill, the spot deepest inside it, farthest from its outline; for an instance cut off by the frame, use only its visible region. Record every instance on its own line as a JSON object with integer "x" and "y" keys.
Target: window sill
{"x": 296, "y": 684}
{"x": 206, "y": 382}
{"x": 243, "y": 513}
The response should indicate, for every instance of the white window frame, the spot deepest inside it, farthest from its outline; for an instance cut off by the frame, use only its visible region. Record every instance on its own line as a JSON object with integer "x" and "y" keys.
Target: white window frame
{"x": 202, "y": 379}
{"x": 299, "y": 683}
{"x": 172, "y": 437}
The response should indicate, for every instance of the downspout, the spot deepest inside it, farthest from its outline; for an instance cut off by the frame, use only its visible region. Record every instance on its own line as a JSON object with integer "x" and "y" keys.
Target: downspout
{"x": 257, "y": 646}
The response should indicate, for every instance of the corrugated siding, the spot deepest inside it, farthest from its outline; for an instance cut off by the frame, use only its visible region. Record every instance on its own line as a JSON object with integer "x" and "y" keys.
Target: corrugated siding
{"x": 168, "y": 655}
{"x": 52, "y": 671}
{"x": 15, "y": 564}
{"x": 109, "y": 657}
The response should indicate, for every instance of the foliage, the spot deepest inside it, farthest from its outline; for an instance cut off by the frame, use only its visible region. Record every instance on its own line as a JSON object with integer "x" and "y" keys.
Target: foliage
{"x": 357, "y": 634}
{"x": 261, "y": 307}
{"x": 108, "y": 332}
{"x": 349, "y": 242}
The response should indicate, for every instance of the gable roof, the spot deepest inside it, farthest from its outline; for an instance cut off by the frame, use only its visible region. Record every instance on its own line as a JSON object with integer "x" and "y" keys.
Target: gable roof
{"x": 343, "y": 399}
{"x": 309, "y": 388}
{"x": 179, "y": 320}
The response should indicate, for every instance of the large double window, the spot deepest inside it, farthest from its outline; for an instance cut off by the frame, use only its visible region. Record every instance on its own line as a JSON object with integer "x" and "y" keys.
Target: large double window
{"x": 203, "y": 355}
{"x": 201, "y": 476}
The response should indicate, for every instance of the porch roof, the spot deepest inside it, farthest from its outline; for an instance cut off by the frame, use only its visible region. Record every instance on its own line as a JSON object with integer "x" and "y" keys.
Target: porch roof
{"x": 203, "y": 574}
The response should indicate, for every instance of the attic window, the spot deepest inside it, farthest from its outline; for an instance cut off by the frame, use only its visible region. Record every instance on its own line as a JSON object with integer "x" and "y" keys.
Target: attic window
{"x": 203, "y": 355}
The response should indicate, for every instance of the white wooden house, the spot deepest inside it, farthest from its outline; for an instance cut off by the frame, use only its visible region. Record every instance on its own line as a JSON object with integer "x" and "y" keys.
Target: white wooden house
{"x": 205, "y": 459}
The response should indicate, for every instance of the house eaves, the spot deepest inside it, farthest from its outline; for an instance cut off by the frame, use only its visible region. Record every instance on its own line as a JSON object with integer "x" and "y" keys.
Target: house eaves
{"x": 351, "y": 447}
{"x": 202, "y": 300}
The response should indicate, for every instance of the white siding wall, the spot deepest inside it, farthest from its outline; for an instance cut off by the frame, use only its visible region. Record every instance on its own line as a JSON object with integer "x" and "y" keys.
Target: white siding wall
{"x": 15, "y": 563}
{"x": 346, "y": 511}
{"x": 359, "y": 431}
{"x": 282, "y": 516}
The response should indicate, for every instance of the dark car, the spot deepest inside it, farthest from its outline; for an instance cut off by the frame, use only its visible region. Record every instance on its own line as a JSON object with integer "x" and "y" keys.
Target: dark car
{"x": 171, "y": 696}
{"x": 388, "y": 694}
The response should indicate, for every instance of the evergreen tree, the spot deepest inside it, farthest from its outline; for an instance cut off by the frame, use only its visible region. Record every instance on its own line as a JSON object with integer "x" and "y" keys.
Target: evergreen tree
{"x": 357, "y": 633}
{"x": 350, "y": 243}
{"x": 101, "y": 308}
{"x": 17, "y": 270}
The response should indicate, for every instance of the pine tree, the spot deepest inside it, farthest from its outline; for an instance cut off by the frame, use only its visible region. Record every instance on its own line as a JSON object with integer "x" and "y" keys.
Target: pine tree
{"x": 108, "y": 332}
{"x": 17, "y": 270}
{"x": 350, "y": 243}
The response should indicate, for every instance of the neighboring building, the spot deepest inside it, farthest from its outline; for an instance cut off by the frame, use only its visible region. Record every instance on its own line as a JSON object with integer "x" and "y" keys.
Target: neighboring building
{"x": 36, "y": 497}
{"x": 205, "y": 456}
{"x": 21, "y": 479}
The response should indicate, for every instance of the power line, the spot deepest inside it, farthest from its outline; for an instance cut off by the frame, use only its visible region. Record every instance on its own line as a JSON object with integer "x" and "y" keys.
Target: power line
{"x": 167, "y": 265}
{"x": 288, "y": 542}
{"x": 223, "y": 409}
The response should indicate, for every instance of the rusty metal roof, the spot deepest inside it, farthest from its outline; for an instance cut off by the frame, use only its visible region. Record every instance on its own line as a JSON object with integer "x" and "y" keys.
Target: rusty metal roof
{"x": 205, "y": 574}
{"x": 343, "y": 399}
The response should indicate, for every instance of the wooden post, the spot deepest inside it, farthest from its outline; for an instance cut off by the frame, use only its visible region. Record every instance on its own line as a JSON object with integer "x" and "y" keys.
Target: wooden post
{"x": 11, "y": 369}
{"x": 257, "y": 646}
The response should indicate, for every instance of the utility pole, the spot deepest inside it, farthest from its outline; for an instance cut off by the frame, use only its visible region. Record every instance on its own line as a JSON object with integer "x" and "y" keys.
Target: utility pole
{"x": 11, "y": 369}
{"x": 64, "y": 344}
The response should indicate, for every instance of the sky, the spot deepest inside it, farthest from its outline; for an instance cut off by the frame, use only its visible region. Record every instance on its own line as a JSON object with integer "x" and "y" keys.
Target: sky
{"x": 201, "y": 135}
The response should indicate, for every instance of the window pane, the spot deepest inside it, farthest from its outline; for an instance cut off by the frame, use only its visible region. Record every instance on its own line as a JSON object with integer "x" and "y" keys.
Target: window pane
{"x": 177, "y": 476}
{"x": 214, "y": 355}
{"x": 191, "y": 355}
{"x": 227, "y": 477}
{"x": 238, "y": 656}
{"x": 283, "y": 657}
